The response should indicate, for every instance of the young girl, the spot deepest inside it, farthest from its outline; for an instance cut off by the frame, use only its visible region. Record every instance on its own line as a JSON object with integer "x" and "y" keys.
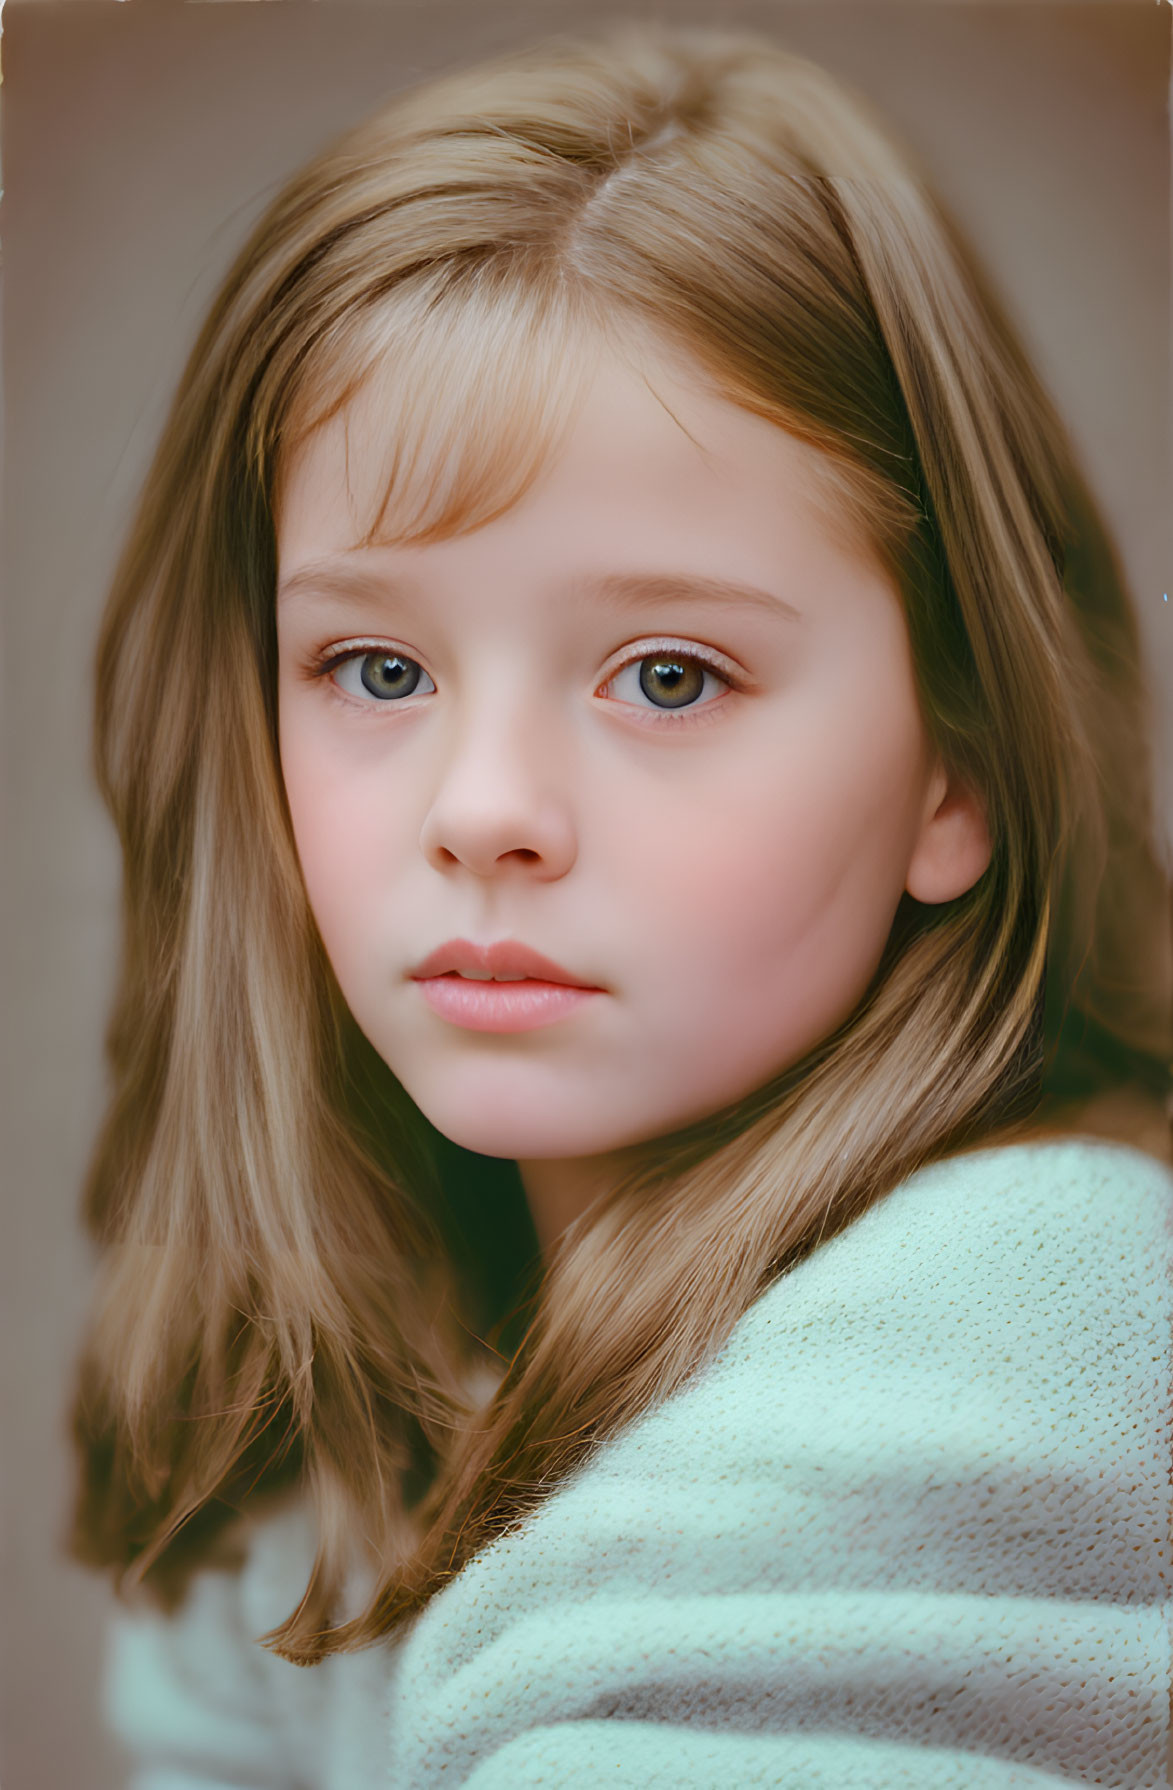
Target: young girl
{"x": 608, "y": 541}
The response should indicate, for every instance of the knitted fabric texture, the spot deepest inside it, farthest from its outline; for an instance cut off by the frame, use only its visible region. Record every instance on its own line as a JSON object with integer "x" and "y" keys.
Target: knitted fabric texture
{"x": 909, "y": 1530}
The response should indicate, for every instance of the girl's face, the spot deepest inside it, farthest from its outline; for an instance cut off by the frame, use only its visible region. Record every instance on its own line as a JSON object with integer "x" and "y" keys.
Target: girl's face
{"x": 658, "y": 723}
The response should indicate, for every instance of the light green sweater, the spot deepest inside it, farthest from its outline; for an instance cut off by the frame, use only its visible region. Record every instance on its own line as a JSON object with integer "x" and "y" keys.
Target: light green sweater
{"x": 909, "y": 1529}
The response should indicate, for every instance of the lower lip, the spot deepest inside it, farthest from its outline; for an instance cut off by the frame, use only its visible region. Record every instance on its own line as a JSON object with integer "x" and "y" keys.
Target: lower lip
{"x": 501, "y": 1006}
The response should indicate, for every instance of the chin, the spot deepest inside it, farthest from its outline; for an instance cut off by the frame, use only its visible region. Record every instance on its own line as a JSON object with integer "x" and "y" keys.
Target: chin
{"x": 496, "y": 1134}
{"x": 521, "y": 1138}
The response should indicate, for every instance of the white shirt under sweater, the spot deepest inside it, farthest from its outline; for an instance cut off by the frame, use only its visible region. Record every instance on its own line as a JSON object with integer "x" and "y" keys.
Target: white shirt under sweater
{"x": 908, "y": 1531}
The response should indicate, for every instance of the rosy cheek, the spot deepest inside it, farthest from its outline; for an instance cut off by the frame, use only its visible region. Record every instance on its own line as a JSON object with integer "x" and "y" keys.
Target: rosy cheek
{"x": 721, "y": 855}
{"x": 328, "y": 874}
{"x": 325, "y": 810}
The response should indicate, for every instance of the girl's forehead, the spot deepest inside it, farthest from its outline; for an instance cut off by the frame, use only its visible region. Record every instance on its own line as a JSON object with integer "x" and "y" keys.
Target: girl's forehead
{"x": 637, "y": 440}
{"x": 442, "y": 421}
{"x": 656, "y": 482}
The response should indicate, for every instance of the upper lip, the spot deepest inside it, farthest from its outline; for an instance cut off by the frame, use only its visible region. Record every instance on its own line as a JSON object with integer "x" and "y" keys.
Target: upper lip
{"x": 505, "y": 958}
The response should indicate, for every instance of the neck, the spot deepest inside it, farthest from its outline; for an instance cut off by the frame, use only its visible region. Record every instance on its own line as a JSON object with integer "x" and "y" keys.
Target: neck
{"x": 558, "y": 1192}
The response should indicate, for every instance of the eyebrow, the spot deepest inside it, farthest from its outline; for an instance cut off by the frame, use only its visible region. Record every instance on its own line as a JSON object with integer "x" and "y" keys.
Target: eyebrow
{"x": 629, "y": 590}
{"x": 618, "y": 591}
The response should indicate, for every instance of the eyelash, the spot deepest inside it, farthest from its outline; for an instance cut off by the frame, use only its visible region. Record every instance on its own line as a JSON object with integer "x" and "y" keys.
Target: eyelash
{"x": 694, "y": 714}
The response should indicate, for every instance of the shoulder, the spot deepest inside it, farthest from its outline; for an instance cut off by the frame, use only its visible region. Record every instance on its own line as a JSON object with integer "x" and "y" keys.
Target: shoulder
{"x": 1014, "y": 1186}
{"x": 280, "y": 1547}
{"x": 1037, "y": 1201}
{"x": 933, "y": 1454}
{"x": 194, "y": 1688}
{"x": 997, "y": 1326}
{"x": 1066, "y": 1217}
{"x": 981, "y": 1283}
{"x": 1032, "y": 1208}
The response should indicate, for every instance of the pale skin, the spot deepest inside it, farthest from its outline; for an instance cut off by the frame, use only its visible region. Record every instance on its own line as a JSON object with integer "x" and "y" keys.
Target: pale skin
{"x": 727, "y": 871}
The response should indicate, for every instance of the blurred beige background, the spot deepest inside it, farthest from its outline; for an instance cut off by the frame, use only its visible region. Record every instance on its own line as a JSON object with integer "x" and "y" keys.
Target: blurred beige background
{"x": 140, "y": 140}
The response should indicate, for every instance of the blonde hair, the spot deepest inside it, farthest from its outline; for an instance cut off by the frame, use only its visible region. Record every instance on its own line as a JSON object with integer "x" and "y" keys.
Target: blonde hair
{"x": 286, "y": 1293}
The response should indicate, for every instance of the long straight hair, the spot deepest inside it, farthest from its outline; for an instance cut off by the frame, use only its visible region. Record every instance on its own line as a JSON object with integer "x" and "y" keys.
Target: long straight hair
{"x": 287, "y": 1295}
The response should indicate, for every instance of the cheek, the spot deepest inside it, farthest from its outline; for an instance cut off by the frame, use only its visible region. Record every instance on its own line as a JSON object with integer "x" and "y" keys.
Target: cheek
{"x": 765, "y": 907}
{"x": 762, "y": 856}
{"x": 342, "y": 839}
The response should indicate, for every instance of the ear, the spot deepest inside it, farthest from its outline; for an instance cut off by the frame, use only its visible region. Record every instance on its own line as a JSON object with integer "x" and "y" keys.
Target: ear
{"x": 953, "y": 847}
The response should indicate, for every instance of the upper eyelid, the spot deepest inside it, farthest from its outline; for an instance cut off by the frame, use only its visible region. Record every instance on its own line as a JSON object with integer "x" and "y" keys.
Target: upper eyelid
{"x": 639, "y": 649}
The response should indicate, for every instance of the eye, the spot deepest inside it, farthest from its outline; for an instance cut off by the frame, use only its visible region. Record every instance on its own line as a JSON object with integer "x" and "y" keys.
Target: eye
{"x": 672, "y": 680}
{"x": 383, "y": 673}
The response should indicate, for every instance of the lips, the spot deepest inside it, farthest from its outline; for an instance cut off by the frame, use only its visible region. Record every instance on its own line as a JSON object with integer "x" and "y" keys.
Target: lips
{"x": 508, "y": 957}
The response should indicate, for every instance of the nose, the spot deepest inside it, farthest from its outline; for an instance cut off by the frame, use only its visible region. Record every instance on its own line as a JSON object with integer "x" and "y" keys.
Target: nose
{"x": 501, "y": 804}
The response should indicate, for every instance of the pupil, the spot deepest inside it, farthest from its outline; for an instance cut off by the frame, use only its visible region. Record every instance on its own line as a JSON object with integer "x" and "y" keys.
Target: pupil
{"x": 389, "y": 674}
{"x": 680, "y": 680}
